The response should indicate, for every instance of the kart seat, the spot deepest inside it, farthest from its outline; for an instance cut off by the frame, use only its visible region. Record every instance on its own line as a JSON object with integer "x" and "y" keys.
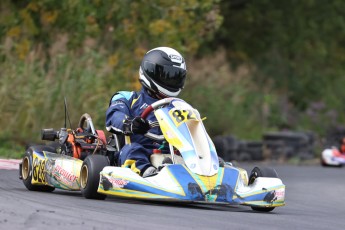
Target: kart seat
{"x": 118, "y": 141}
{"x": 114, "y": 145}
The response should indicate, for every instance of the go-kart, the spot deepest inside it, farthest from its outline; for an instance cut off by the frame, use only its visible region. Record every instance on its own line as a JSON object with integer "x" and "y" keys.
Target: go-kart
{"x": 58, "y": 164}
{"x": 192, "y": 172}
{"x": 332, "y": 157}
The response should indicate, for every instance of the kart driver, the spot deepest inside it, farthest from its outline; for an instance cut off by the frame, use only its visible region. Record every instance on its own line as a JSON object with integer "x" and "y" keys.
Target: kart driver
{"x": 342, "y": 146}
{"x": 162, "y": 74}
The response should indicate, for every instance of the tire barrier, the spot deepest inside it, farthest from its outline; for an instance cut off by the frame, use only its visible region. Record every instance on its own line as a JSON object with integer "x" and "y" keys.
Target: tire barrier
{"x": 227, "y": 147}
{"x": 333, "y": 137}
{"x": 273, "y": 146}
{"x": 232, "y": 149}
{"x": 287, "y": 144}
{"x": 250, "y": 151}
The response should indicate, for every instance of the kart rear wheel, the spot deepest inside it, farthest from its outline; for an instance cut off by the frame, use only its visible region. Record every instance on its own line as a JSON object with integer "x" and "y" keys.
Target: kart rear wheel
{"x": 26, "y": 169}
{"x": 89, "y": 176}
{"x": 262, "y": 172}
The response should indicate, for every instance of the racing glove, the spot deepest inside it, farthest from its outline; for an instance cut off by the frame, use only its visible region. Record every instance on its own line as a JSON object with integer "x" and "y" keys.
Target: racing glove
{"x": 136, "y": 125}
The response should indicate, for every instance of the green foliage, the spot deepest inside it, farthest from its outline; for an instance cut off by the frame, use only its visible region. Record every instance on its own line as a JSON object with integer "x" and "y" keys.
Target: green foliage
{"x": 297, "y": 44}
{"x": 286, "y": 59}
{"x": 296, "y": 48}
{"x": 33, "y": 99}
{"x": 228, "y": 99}
{"x": 119, "y": 26}
{"x": 11, "y": 149}
{"x": 85, "y": 50}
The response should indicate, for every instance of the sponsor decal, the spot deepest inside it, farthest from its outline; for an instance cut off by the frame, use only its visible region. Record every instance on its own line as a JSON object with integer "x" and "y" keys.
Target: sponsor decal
{"x": 50, "y": 164}
{"x": 144, "y": 106}
{"x": 280, "y": 194}
{"x": 275, "y": 195}
{"x": 194, "y": 191}
{"x": 121, "y": 103}
{"x": 118, "y": 183}
{"x": 224, "y": 192}
{"x": 270, "y": 197}
{"x": 170, "y": 134}
{"x": 106, "y": 183}
{"x": 63, "y": 175}
{"x": 175, "y": 58}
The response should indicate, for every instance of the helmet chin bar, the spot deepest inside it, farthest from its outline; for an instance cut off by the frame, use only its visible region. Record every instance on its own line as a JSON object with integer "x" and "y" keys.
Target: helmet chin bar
{"x": 152, "y": 93}
{"x": 164, "y": 92}
{"x": 158, "y": 95}
{"x": 154, "y": 89}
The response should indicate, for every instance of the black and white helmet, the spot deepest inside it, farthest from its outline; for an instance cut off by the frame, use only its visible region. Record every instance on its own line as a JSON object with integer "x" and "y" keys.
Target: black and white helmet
{"x": 163, "y": 72}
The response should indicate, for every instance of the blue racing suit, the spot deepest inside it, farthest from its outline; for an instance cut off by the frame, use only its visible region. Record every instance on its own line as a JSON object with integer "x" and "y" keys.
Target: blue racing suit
{"x": 125, "y": 104}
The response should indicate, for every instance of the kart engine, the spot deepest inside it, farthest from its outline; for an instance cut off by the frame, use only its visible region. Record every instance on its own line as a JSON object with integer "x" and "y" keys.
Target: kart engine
{"x": 76, "y": 143}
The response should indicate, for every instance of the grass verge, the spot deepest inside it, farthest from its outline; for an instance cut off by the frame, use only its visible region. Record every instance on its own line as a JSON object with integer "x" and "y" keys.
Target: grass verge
{"x": 11, "y": 153}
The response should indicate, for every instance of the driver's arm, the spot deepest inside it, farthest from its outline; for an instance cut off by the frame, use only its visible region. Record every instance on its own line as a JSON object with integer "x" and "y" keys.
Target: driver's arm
{"x": 117, "y": 112}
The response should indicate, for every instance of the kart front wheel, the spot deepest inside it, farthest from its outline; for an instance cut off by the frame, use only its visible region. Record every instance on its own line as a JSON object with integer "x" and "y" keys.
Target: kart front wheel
{"x": 325, "y": 164}
{"x": 26, "y": 169}
{"x": 262, "y": 172}
{"x": 89, "y": 176}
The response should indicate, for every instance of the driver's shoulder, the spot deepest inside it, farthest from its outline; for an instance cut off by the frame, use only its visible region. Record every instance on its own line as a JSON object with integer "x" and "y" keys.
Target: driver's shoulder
{"x": 123, "y": 95}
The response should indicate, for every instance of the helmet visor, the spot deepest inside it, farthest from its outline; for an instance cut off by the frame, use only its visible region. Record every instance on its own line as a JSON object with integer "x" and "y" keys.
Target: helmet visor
{"x": 164, "y": 75}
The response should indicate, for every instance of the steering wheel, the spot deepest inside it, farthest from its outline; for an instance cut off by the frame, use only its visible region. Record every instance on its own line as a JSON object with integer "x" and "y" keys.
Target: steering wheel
{"x": 151, "y": 108}
{"x": 86, "y": 124}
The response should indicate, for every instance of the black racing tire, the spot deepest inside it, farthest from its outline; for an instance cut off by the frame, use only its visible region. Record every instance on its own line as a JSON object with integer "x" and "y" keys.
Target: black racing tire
{"x": 262, "y": 172}
{"x": 262, "y": 209}
{"x": 89, "y": 176}
{"x": 26, "y": 169}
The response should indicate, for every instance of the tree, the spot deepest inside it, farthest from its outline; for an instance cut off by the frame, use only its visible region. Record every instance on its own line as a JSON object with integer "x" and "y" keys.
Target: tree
{"x": 85, "y": 50}
{"x": 296, "y": 45}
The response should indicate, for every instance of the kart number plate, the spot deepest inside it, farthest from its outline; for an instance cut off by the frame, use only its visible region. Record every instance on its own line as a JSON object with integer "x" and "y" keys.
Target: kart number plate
{"x": 38, "y": 171}
{"x": 180, "y": 116}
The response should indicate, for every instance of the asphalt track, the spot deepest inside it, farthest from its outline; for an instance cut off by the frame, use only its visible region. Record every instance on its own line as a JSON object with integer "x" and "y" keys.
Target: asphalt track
{"x": 315, "y": 199}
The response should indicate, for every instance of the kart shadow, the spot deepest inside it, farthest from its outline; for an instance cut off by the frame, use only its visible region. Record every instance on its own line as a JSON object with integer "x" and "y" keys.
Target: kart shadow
{"x": 67, "y": 193}
{"x": 170, "y": 204}
{"x": 183, "y": 205}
